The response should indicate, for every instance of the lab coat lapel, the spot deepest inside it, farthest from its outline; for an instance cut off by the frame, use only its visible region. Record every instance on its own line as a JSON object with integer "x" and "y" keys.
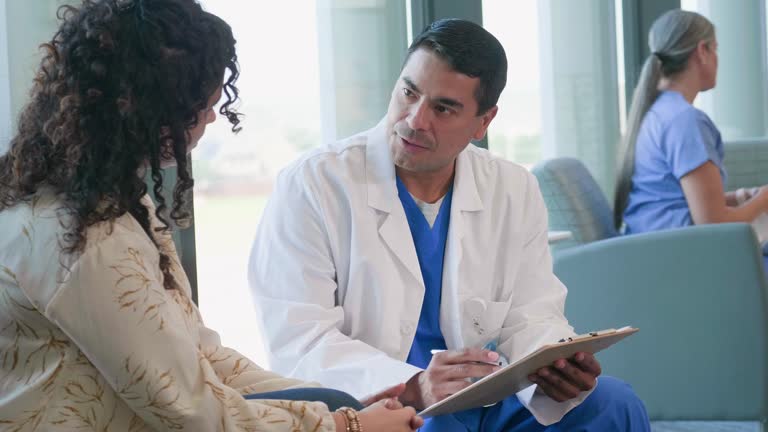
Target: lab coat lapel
{"x": 382, "y": 196}
{"x": 466, "y": 198}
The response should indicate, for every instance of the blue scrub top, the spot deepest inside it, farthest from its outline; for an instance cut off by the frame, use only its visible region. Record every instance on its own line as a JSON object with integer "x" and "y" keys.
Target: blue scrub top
{"x": 430, "y": 250}
{"x": 674, "y": 139}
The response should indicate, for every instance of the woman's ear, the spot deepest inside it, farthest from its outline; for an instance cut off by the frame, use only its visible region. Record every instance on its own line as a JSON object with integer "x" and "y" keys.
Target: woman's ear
{"x": 704, "y": 51}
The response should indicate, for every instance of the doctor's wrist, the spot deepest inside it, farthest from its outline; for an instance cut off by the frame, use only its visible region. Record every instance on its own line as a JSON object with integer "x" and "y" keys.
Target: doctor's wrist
{"x": 412, "y": 394}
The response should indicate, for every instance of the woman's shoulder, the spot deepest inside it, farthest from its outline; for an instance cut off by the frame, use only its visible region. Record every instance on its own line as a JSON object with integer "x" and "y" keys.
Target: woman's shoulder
{"x": 42, "y": 222}
{"x": 672, "y": 111}
{"x": 33, "y": 243}
{"x": 690, "y": 123}
{"x": 32, "y": 221}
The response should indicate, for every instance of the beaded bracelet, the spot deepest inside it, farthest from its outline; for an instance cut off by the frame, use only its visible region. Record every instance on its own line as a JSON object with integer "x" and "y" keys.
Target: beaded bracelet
{"x": 351, "y": 419}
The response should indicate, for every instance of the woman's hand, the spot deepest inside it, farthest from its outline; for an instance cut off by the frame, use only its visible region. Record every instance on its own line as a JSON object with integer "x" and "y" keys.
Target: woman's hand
{"x": 383, "y": 416}
{"x": 742, "y": 195}
{"x": 758, "y": 192}
{"x": 389, "y": 415}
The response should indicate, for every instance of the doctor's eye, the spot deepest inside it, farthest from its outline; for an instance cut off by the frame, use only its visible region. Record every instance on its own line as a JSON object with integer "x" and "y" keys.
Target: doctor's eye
{"x": 443, "y": 110}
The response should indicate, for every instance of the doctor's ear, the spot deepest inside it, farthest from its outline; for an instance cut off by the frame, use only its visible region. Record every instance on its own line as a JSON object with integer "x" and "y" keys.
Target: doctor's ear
{"x": 486, "y": 118}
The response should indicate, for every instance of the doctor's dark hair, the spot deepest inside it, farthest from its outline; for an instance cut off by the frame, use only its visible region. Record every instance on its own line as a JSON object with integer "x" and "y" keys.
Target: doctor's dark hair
{"x": 471, "y": 50}
{"x": 672, "y": 39}
{"x": 119, "y": 87}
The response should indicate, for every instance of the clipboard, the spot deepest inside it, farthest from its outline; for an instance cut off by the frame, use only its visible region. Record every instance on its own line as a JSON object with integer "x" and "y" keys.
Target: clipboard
{"x": 514, "y": 377}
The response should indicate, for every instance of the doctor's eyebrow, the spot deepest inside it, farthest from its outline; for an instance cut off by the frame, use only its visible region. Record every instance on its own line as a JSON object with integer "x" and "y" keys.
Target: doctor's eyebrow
{"x": 453, "y": 103}
{"x": 411, "y": 85}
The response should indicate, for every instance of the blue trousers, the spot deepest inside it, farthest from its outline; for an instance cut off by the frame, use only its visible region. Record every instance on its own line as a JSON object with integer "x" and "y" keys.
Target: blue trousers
{"x": 612, "y": 406}
{"x": 335, "y": 399}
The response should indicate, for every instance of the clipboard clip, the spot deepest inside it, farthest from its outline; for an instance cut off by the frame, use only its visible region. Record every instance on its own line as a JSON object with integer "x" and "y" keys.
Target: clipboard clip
{"x": 592, "y": 334}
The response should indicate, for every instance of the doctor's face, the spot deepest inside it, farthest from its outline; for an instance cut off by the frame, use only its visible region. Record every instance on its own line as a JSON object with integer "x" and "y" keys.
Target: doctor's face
{"x": 432, "y": 114}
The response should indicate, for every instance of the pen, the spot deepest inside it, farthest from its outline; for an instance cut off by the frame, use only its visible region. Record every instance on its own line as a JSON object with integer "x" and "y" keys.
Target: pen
{"x": 435, "y": 351}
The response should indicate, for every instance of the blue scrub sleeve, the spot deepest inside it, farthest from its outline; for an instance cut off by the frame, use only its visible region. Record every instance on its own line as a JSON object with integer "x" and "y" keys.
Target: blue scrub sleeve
{"x": 691, "y": 141}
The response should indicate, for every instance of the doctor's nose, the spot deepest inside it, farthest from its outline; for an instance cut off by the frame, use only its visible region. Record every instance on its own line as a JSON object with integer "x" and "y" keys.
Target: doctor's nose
{"x": 419, "y": 116}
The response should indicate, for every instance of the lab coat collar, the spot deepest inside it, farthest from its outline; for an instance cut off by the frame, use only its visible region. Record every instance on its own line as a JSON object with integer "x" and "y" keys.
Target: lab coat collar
{"x": 380, "y": 176}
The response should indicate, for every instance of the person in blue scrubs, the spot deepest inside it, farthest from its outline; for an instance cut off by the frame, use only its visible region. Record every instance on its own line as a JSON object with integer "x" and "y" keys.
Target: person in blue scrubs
{"x": 425, "y": 193}
{"x": 611, "y": 406}
{"x": 672, "y": 174}
{"x": 374, "y": 251}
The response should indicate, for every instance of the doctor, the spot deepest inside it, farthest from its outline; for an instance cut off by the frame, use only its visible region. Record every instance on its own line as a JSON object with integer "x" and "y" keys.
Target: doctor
{"x": 404, "y": 239}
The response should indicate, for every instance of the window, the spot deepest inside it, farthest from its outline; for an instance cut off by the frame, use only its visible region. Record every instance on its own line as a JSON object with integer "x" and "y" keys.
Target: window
{"x": 515, "y": 133}
{"x": 621, "y": 75}
{"x": 309, "y": 74}
{"x": 279, "y": 86}
{"x": 562, "y": 95}
{"x": 738, "y": 104}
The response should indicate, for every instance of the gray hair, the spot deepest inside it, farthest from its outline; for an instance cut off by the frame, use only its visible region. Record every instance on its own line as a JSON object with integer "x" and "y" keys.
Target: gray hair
{"x": 672, "y": 39}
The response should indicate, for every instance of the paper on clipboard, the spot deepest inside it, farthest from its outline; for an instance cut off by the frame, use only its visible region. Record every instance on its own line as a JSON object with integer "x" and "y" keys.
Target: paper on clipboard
{"x": 514, "y": 377}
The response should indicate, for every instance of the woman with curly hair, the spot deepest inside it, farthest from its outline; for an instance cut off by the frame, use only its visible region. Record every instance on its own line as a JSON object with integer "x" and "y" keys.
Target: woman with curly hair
{"x": 97, "y": 328}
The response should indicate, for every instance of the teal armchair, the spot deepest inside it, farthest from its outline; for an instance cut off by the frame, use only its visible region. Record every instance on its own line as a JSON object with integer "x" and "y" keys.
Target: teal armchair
{"x": 698, "y": 295}
{"x": 574, "y": 202}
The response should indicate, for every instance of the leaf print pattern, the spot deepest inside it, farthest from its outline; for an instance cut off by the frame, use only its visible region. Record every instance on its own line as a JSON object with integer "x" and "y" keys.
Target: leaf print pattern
{"x": 192, "y": 317}
{"x": 136, "y": 424}
{"x": 47, "y": 358}
{"x": 12, "y": 330}
{"x": 47, "y": 381}
{"x": 135, "y": 291}
{"x": 11, "y": 274}
{"x": 153, "y": 391}
{"x": 219, "y": 357}
{"x": 9, "y": 354}
{"x": 87, "y": 404}
{"x": 9, "y": 301}
{"x": 51, "y": 345}
{"x": 27, "y": 231}
{"x": 29, "y": 420}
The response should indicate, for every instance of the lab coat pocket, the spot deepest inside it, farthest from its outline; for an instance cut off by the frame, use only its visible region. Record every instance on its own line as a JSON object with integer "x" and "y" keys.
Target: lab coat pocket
{"x": 482, "y": 321}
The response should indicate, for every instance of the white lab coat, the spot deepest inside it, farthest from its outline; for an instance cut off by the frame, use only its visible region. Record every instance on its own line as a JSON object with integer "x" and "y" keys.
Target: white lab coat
{"x": 337, "y": 283}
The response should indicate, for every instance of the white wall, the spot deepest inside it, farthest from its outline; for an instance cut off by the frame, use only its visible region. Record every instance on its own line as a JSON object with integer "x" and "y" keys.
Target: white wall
{"x": 5, "y": 82}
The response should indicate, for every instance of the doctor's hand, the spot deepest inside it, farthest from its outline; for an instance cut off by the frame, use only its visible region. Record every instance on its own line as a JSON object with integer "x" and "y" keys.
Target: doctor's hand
{"x": 447, "y": 374}
{"x": 565, "y": 379}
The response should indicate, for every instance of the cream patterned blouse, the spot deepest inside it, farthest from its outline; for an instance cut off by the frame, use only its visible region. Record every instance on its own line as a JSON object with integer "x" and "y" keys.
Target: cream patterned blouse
{"x": 95, "y": 343}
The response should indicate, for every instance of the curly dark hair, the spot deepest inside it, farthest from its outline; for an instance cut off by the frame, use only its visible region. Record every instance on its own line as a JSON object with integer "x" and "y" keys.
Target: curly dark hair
{"x": 118, "y": 89}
